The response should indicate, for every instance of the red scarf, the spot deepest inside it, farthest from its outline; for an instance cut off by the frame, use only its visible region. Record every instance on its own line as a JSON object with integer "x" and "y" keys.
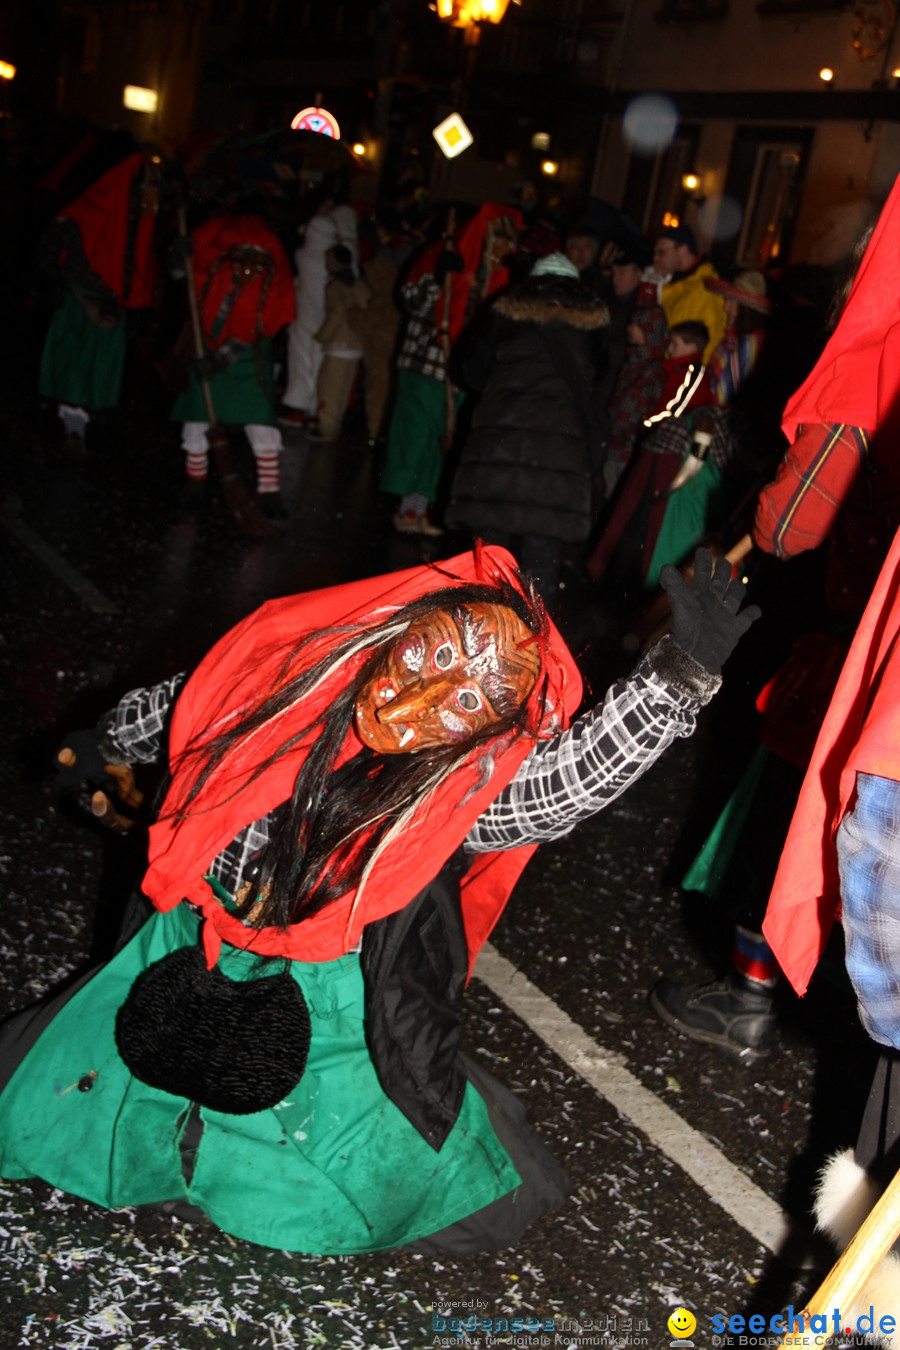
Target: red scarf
{"x": 262, "y": 305}
{"x": 102, "y": 215}
{"x": 469, "y": 240}
{"x": 241, "y": 670}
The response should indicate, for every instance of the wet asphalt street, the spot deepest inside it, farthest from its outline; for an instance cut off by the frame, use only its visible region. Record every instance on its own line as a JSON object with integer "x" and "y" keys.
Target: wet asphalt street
{"x": 595, "y": 921}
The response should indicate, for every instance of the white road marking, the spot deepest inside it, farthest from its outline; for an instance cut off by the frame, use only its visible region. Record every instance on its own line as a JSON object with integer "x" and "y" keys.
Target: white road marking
{"x": 62, "y": 570}
{"x": 605, "y": 1070}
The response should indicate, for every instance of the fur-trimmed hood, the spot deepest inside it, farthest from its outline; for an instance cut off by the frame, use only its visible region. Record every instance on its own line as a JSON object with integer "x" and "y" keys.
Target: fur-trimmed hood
{"x": 552, "y": 300}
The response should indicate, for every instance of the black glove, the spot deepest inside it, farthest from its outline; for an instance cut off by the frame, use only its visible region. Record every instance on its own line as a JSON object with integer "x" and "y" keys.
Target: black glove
{"x": 705, "y": 619}
{"x": 78, "y": 760}
{"x": 448, "y": 261}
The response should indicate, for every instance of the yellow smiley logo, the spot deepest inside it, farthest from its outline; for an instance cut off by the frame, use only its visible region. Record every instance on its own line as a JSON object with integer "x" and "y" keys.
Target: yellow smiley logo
{"x": 682, "y": 1322}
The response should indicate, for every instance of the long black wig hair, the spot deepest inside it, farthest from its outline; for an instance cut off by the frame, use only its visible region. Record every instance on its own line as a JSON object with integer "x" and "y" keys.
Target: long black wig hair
{"x": 326, "y": 838}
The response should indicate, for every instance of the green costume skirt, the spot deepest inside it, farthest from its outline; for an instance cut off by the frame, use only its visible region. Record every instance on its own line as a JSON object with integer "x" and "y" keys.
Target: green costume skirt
{"x": 334, "y": 1167}
{"x": 82, "y": 364}
{"x": 244, "y": 394}
{"x": 414, "y": 460}
{"x": 691, "y": 512}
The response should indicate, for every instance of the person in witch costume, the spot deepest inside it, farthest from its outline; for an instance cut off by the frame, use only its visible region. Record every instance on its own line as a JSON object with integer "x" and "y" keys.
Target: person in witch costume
{"x": 358, "y": 777}
{"x": 245, "y": 293}
{"x": 99, "y": 254}
{"x": 440, "y": 293}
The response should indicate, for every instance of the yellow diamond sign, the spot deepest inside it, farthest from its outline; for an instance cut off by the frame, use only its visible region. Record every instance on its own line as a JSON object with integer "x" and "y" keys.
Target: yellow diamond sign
{"x": 453, "y": 136}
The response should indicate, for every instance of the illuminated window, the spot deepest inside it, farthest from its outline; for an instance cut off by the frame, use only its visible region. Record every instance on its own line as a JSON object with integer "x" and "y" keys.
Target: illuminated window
{"x": 138, "y": 99}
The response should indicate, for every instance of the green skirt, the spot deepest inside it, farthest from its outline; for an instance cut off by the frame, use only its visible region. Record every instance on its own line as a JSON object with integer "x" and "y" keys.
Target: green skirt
{"x": 333, "y": 1168}
{"x": 243, "y": 395}
{"x": 691, "y": 512}
{"x": 81, "y": 363}
{"x": 414, "y": 460}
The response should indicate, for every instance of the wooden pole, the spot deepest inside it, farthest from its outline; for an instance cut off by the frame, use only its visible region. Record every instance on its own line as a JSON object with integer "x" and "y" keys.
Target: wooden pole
{"x": 196, "y": 326}
{"x": 846, "y": 1279}
{"x": 449, "y": 390}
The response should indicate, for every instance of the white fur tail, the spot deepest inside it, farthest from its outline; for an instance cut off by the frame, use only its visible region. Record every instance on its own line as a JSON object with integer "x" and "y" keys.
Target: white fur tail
{"x": 844, "y": 1196}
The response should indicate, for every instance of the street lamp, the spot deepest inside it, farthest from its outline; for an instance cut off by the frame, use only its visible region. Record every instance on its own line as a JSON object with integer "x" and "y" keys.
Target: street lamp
{"x": 466, "y": 13}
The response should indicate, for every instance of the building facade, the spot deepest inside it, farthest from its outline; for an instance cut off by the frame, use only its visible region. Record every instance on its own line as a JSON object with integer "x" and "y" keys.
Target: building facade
{"x": 788, "y": 123}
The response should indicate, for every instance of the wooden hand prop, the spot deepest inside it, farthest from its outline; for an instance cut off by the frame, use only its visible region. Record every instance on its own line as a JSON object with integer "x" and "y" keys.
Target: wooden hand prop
{"x": 122, "y": 786}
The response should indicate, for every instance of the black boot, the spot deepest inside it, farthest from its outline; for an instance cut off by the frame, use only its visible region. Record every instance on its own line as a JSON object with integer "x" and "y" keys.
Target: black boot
{"x": 736, "y": 1014}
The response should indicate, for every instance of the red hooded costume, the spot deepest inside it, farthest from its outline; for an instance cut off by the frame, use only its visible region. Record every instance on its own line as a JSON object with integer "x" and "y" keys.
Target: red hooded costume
{"x": 261, "y": 305}
{"x": 103, "y": 215}
{"x": 469, "y": 240}
{"x": 244, "y": 667}
{"x": 857, "y": 382}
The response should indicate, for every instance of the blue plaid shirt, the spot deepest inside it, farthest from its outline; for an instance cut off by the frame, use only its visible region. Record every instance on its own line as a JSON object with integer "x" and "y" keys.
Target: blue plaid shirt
{"x": 868, "y": 844}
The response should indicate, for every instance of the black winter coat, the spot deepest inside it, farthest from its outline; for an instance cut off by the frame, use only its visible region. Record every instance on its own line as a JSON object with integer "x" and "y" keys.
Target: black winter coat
{"x": 527, "y": 463}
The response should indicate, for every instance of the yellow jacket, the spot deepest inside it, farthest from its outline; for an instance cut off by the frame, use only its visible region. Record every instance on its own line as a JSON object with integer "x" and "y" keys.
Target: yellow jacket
{"x": 688, "y": 298}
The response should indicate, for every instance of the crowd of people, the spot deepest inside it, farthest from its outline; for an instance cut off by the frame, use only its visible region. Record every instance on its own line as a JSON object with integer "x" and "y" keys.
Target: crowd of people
{"x": 615, "y": 355}
{"x": 562, "y": 399}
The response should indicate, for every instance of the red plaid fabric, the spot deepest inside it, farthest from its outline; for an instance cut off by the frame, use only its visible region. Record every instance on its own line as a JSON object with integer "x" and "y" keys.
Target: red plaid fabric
{"x": 798, "y": 510}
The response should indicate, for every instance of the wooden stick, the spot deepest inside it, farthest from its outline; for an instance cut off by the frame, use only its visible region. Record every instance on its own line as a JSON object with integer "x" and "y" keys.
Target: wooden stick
{"x": 196, "y": 326}
{"x": 847, "y": 1277}
{"x": 740, "y": 550}
{"x": 449, "y": 390}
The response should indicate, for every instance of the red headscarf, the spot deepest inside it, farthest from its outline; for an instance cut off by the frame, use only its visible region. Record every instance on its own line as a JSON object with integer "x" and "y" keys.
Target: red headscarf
{"x": 241, "y": 670}
{"x": 856, "y": 380}
{"x": 102, "y": 215}
{"x": 469, "y": 240}
{"x": 262, "y": 305}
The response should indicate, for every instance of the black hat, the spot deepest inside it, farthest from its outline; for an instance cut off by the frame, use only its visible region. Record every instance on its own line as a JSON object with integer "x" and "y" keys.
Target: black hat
{"x": 679, "y": 234}
{"x": 636, "y": 252}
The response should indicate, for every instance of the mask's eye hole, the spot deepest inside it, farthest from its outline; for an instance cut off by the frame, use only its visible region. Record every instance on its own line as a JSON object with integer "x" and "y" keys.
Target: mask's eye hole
{"x": 444, "y": 656}
{"x": 470, "y": 700}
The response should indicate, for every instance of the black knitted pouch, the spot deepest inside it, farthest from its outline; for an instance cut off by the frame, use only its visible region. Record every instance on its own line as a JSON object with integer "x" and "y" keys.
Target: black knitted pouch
{"x": 231, "y": 1045}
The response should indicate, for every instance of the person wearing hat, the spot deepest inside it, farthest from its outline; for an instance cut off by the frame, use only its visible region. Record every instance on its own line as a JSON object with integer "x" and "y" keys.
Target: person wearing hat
{"x": 684, "y": 294}
{"x": 625, "y": 274}
{"x": 525, "y": 473}
{"x": 746, "y": 307}
{"x": 441, "y": 291}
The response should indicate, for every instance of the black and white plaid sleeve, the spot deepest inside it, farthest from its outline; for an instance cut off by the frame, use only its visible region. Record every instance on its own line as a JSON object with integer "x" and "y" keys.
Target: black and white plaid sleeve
{"x": 568, "y": 778}
{"x": 134, "y": 731}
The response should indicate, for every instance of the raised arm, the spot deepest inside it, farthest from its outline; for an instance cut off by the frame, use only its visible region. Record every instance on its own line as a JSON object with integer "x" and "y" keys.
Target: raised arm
{"x": 568, "y": 778}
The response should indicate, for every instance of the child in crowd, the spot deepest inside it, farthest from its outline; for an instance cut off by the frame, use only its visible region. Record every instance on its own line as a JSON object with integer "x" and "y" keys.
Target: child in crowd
{"x": 626, "y": 548}
{"x": 345, "y": 294}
